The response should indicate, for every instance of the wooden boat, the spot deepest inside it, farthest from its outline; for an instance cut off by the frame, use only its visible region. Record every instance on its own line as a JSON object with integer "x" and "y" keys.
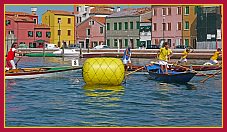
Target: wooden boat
{"x": 172, "y": 76}
{"x": 41, "y": 55}
{"x": 180, "y": 68}
{"x": 36, "y": 72}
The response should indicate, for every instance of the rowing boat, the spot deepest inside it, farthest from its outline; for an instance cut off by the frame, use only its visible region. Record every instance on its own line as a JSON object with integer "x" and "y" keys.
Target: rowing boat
{"x": 172, "y": 76}
{"x": 36, "y": 72}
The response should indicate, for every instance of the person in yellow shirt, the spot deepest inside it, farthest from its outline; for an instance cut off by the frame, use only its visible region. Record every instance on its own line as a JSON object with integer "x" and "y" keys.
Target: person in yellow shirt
{"x": 164, "y": 56}
{"x": 213, "y": 59}
{"x": 183, "y": 58}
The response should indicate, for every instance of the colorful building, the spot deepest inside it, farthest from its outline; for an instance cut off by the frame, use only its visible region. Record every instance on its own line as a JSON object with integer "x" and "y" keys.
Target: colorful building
{"x": 189, "y": 18}
{"x": 62, "y": 26}
{"x": 123, "y": 27}
{"x": 91, "y": 32}
{"x": 23, "y": 29}
{"x": 167, "y": 25}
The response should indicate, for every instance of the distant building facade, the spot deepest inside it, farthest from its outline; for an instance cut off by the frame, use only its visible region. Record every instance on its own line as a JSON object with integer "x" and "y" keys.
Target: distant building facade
{"x": 91, "y": 32}
{"x": 167, "y": 25}
{"x": 189, "y": 18}
{"x": 123, "y": 28}
{"x": 209, "y": 27}
{"x": 62, "y": 26}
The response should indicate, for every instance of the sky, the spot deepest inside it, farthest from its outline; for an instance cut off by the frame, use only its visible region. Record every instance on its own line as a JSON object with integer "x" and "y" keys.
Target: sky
{"x": 41, "y": 9}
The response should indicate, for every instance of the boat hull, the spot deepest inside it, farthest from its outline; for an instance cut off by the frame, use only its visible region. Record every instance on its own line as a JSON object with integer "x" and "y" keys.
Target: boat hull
{"x": 182, "y": 77}
{"x": 46, "y": 71}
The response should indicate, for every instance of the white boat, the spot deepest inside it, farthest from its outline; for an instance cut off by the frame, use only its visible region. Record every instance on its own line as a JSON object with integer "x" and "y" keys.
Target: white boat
{"x": 67, "y": 52}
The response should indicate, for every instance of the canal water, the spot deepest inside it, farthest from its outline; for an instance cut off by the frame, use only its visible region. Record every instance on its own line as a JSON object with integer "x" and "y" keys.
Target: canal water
{"x": 64, "y": 100}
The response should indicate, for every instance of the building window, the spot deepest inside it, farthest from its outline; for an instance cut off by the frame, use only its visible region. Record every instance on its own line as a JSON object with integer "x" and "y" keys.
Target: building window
{"x": 48, "y": 34}
{"x": 120, "y": 26}
{"x": 69, "y": 20}
{"x": 154, "y": 26}
{"x": 126, "y": 42}
{"x": 186, "y": 42}
{"x": 138, "y": 42}
{"x": 59, "y": 20}
{"x": 35, "y": 21}
{"x": 69, "y": 32}
{"x": 77, "y": 19}
{"x": 163, "y": 11}
{"x": 131, "y": 25}
{"x": 186, "y": 25}
{"x": 101, "y": 30}
{"x": 178, "y": 10}
{"x": 179, "y": 26}
{"x": 186, "y": 11}
{"x": 137, "y": 25}
{"x": 78, "y": 9}
{"x": 169, "y": 27}
{"x": 30, "y": 33}
{"x": 88, "y": 32}
{"x": 154, "y": 12}
{"x": 108, "y": 26}
{"x": 196, "y": 9}
{"x": 59, "y": 32}
{"x": 92, "y": 22}
{"x": 156, "y": 41}
{"x": 38, "y": 34}
{"x": 126, "y": 25}
{"x": 11, "y": 32}
{"x": 164, "y": 26}
{"x": 169, "y": 11}
{"x": 115, "y": 26}
{"x": 108, "y": 42}
{"x": 8, "y": 22}
{"x": 115, "y": 42}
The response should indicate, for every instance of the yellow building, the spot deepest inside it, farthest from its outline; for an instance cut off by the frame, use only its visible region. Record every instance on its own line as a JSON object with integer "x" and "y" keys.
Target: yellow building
{"x": 189, "y": 19}
{"x": 62, "y": 26}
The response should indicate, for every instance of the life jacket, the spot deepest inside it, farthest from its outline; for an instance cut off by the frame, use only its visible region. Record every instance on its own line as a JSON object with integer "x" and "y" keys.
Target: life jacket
{"x": 11, "y": 55}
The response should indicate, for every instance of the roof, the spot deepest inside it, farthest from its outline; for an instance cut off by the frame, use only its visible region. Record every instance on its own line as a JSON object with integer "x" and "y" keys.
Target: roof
{"x": 131, "y": 12}
{"x": 146, "y": 20}
{"x": 61, "y": 12}
{"x": 101, "y": 20}
{"x": 20, "y": 19}
{"x": 19, "y": 13}
{"x": 103, "y": 6}
{"x": 41, "y": 26}
{"x": 101, "y": 10}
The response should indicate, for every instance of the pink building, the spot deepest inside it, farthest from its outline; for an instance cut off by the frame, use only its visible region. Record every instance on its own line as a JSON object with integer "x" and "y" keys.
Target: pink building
{"x": 167, "y": 25}
{"x": 23, "y": 28}
{"x": 91, "y": 32}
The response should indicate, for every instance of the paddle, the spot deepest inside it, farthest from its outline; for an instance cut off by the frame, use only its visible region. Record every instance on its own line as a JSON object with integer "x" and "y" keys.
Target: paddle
{"x": 137, "y": 69}
{"x": 202, "y": 81}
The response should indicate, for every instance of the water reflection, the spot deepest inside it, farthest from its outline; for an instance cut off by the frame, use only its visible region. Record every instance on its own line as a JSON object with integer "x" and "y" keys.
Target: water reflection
{"x": 101, "y": 100}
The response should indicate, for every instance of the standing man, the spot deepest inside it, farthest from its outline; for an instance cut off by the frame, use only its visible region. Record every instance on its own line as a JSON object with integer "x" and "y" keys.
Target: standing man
{"x": 127, "y": 57}
{"x": 10, "y": 57}
{"x": 164, "y": 56}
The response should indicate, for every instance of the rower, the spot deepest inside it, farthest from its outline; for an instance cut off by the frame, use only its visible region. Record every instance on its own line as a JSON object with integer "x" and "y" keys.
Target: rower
{"x": 164, "y": 56}
{"x": 183, "y": 59}
{"x": 213, "y": 59}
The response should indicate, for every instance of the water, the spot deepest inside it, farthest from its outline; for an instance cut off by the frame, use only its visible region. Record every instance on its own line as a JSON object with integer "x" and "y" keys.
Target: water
{"x": 64, "y": 100}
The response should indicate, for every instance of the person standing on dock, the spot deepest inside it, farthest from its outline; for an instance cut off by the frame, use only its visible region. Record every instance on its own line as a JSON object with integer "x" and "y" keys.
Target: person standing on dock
{"x": 10, "y": 57}
{"x": 127, "y": 57}
{"x": 213, "y": 59}
{"x": 164, "y": 56}
{"x": 183, "y": 59}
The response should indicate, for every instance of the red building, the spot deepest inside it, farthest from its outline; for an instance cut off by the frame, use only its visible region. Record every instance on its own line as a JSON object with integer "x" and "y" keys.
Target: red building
{"x": 91, "y": 32}
{"x": 23, "y": 28}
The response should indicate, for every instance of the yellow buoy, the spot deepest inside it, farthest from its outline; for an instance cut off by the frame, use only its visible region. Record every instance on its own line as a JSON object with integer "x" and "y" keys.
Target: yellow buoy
{"x": 104, "y": 71}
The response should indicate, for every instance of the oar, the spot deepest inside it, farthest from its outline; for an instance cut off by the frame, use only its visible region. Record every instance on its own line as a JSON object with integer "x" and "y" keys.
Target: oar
{"x": 137, "y": 69}
{"x": 17, "y": 61}
{"x": 202, "y": 81}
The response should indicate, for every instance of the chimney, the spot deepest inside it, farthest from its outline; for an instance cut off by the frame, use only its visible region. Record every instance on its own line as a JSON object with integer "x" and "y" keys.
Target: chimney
{"x": 33, "y": 10}
{"x": 118, "y": 9}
